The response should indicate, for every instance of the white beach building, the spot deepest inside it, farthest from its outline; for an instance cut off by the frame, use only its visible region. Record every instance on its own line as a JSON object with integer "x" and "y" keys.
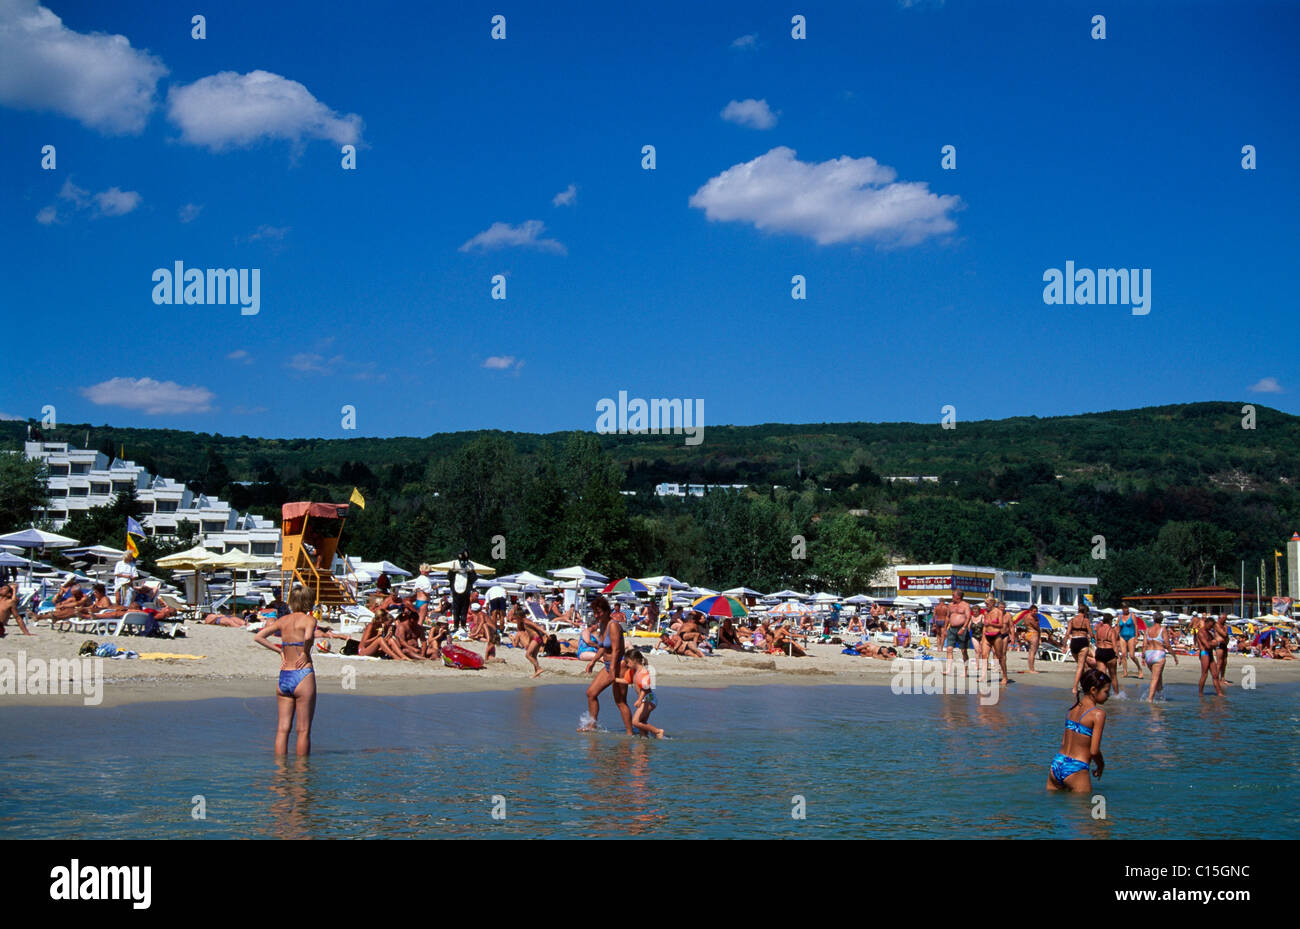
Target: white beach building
{"x": 79, "y": 479}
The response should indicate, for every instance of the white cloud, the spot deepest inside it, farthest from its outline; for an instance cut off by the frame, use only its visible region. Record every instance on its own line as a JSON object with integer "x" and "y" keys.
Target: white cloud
{"x": 111, "y": 202}
{"x": 749, "y": 40}
{"x": 231, "y": 110}
{"x": 499, "y": 362}
{"x": 149, "y": 396}
{"x": 755, "y": 114}
{"x": 95, "y": 78}
{"x": 841, "y": 200}
{"x": 565, "y": 197}
{"x": 189, "y": 212}
{"x": 504, "y": 235}
{"x": 11, "y": 417}
{"x": 311, "y": 363}
{"x": 116, "y": 202}
{"x": 79, "y": 196}
{"x": 268, "y": 233}
{"x": 240, "y": 355}
{"x": 1267, "y": 385}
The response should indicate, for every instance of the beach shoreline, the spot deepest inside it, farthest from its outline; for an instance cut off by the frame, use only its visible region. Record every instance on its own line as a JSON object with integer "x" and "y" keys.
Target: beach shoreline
{"x": 234, "y": 666}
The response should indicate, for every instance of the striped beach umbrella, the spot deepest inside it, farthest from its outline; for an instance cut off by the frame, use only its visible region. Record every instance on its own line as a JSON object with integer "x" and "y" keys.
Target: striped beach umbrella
{"x": 788, "y": 609}
{"x": 720, "y": 605}
{"x": 625, "y": 585}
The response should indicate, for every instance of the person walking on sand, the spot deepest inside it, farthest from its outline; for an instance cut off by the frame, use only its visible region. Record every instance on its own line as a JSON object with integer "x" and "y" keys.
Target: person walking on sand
{"x": 996, "y": 629}
{"x": 1029, "y": 620}
{"x": 957, "y": 630}
{"x": 610, "y": 639}
{"x": 530, "y": 636}
{"x": 295, "y": 693}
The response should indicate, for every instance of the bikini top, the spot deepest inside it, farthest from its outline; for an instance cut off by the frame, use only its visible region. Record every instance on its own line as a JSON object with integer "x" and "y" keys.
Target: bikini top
{"x": 1079, "y": 727}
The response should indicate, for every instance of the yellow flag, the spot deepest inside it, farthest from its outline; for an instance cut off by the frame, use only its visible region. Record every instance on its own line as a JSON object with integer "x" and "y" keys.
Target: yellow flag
{"x": 1277, "y": 554}
{"x": 357, "y": 498}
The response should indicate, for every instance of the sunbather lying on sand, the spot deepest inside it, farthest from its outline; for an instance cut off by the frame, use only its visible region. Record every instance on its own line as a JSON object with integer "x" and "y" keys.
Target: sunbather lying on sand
{"x": 678, "y": 646}
{"x": 222, "y": 619}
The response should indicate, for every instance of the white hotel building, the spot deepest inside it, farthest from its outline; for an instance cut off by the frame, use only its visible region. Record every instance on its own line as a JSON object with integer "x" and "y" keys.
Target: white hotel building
{"x": 79, "y": 479}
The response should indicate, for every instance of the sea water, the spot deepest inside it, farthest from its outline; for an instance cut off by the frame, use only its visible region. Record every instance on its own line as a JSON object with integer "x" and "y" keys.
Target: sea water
{"x": 747, "y": 761}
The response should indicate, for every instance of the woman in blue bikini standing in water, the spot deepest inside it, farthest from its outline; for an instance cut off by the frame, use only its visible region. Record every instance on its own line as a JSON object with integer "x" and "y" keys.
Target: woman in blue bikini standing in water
{"x": 1081, "y": 742}
{"x": 295, "y": 692}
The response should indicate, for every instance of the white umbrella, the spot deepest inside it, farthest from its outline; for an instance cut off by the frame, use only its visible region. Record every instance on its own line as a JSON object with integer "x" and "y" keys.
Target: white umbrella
{"x": 480, "y": 569}
{"x": 664, "y": 580}
{"x": 788, "y": 595}
{"x": 859, "y": 600}
{"x": 578, "y": 572}
{"x": 36, "y": 540}
{"x": 741, "y": 592}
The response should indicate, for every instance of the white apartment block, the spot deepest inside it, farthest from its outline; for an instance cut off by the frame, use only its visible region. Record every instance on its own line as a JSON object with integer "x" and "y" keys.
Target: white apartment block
{"x": 79, "y": 479}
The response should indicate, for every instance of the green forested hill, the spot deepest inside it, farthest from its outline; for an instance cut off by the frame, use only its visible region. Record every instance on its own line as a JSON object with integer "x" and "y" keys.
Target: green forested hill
{"x": 1178, "y": 492}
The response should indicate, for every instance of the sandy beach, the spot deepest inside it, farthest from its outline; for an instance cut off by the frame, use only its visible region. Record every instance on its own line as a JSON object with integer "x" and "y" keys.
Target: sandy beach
{"x": 233, "y": 666}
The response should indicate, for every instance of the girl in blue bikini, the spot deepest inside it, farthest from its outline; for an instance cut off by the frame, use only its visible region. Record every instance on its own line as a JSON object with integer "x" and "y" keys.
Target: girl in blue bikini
{"x": 295, "y": 692}
{"x": 1081, "y": 742}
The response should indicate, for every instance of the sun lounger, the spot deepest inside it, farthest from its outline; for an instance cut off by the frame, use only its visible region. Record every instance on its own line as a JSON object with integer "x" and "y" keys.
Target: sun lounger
{"x": 74, "y": 623}
{"x": 180, "y": 606}
{"x": 131, "y": 622}
{"x": 538, "y": 615}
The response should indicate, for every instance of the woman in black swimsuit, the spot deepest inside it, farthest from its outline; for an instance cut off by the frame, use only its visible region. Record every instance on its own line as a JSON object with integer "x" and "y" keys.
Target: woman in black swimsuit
{"x": 1080, "y": 633}
{"x": 1108, "y": 650}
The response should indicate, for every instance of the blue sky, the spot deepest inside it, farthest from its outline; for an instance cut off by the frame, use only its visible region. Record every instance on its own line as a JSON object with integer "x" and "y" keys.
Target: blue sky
{"x": 225, "y": 152}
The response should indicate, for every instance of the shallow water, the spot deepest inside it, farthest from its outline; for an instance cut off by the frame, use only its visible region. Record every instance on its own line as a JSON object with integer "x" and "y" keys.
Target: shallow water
{"x": 866, "y": 763}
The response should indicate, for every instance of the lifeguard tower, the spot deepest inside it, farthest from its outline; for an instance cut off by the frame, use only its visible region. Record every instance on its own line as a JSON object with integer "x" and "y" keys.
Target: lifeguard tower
{"x": 309, "y": 534}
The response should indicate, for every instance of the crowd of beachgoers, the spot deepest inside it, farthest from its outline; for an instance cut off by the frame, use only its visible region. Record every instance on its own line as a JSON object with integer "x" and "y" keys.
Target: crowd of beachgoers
{"x": 429, "y": 623}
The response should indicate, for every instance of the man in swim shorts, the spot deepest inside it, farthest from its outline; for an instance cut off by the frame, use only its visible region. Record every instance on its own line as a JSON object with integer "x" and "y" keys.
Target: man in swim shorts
{"x": 957, "y": 632}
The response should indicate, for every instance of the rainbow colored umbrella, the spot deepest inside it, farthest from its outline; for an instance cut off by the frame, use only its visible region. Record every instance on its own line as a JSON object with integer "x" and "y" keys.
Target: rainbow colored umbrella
{"x": 720, "y": 605}
{"x": 625, "y": 585}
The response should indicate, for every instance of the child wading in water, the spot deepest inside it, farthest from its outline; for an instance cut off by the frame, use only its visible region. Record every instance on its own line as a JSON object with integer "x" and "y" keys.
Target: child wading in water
{"x": 639, "y": 674}
{"x": 1081, "y": 742}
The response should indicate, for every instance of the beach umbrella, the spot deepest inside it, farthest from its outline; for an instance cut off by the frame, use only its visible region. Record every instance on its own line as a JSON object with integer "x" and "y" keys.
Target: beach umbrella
{"x": 36, "y": 540}
{"x": 578, "y": 572}
{"x": 719, "y": 605}
{"x": 741, "y": 592}
{"x": 483, "y": 569}
{"x": 664, "y": 580}
{"x": 12, "y": 561}
{"x": 787, "y": 609}
{"x": 192, "y": 559}
{"x": 788, "y": 595}
{"x": 625, "y": 585}
{"x": 859, "y": 600}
